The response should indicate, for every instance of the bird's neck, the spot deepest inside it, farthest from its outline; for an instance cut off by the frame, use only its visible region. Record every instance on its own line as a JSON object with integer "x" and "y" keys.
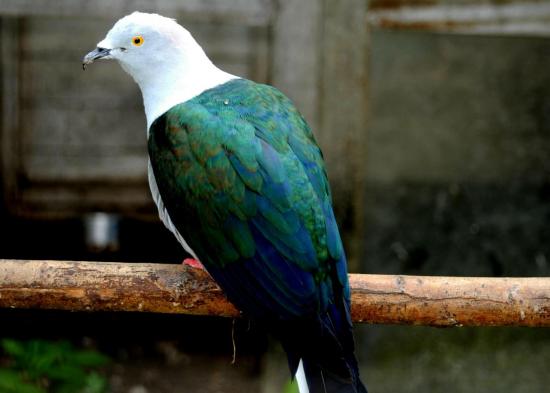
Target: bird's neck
{"x": 178, "y": 81}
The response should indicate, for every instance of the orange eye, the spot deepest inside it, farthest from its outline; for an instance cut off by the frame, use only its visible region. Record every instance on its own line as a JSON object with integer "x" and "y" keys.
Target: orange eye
{"x": 137, "y": 40}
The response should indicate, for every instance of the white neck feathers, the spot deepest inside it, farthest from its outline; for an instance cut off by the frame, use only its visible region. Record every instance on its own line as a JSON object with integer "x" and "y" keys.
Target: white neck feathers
{"x": 173, "y": 87}
{"x": 174, "y": 75}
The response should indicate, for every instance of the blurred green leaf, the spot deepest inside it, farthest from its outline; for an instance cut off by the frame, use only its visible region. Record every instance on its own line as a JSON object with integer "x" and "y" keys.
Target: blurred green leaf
{"x": 291, "y": 387}
{"x": 89, "y": 359}
{"x": 58, "y": 365}
{"x": 12, "y": 382}
{"x": 66, "y": 372}
{"x": 95, "y": 383}
{"x": 13, "y": 348}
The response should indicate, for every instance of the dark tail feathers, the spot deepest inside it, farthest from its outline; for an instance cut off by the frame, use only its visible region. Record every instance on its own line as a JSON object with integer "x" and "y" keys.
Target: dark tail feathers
{"x": 321, "y": 380}
{"x": 326, "y": 350}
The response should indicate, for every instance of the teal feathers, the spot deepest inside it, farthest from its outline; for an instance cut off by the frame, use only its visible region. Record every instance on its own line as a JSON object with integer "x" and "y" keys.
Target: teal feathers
{"x": 240, "y": 156}
{"x": 244, "y": 182}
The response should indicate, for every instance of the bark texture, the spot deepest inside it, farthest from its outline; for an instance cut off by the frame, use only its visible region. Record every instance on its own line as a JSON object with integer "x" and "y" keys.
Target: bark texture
{"x": 160, "y": 288}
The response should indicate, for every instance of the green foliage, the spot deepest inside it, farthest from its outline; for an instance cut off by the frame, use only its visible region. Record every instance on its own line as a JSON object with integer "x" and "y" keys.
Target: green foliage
{"x": 12, "y": 382}
{"x": 291, "y": 387}
{"x": 38, "y": 366}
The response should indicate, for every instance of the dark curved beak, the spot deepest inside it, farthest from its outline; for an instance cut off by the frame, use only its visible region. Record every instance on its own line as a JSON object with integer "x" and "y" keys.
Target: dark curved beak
{"x": 97, "y": 53}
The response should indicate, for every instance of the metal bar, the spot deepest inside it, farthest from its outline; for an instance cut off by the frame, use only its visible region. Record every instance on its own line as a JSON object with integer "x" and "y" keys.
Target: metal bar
{"x": 161, "y": 288}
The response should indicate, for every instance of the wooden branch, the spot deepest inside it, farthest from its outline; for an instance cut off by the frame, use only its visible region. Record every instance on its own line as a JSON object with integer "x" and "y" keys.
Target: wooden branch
{"x": 451, "y": 301}
{"x": 432, "y": 301}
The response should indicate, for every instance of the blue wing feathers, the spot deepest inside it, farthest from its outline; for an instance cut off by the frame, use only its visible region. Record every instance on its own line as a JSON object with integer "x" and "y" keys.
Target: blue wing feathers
{"x": 289, "y": 246}
{"x": 250, "y": 177}
{"x": 334, "y": 243}
{"x": 290, "y": 285}
{"x": 286, "y": 222}
{"x": 270, "y": 161}
{"x": 241, "y": 236}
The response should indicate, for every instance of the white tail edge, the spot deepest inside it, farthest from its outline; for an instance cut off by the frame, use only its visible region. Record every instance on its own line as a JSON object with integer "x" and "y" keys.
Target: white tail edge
{"x": 301, "y": 378}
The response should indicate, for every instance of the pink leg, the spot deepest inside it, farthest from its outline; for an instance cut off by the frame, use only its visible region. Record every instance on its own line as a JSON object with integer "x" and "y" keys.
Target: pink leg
{"x": 193, "y": 263}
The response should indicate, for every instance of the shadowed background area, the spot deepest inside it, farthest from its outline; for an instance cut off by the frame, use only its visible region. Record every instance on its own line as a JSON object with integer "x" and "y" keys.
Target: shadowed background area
{"x": 434, "y": 118}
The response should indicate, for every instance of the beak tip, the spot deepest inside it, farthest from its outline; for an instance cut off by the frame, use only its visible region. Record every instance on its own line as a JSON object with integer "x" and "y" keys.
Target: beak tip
{"x": 87, "y": 60}
{"x": 98, "y": 53}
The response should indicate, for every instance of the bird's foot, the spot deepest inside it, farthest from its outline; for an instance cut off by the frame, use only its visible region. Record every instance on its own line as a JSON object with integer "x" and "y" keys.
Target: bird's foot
{"x": 193, "y": 263}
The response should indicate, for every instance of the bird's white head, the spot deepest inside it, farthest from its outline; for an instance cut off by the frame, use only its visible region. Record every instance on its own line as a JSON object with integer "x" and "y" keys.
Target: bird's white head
{"x": 164, "y": 59}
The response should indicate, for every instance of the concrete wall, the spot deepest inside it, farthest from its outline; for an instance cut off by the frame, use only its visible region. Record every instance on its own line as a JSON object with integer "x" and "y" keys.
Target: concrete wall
{"x": 458, "y": 184}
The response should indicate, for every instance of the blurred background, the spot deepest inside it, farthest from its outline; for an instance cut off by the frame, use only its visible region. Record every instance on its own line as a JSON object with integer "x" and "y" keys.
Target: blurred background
{"x": 434, "y": 118}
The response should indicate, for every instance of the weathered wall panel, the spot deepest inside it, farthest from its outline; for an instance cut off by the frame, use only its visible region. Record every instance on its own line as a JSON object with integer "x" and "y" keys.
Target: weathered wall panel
{"x": 76, "y": 130}
{"x": 247, "y": 12}
{"x": 343, "y": 115}
{"x": 508, "y": 17}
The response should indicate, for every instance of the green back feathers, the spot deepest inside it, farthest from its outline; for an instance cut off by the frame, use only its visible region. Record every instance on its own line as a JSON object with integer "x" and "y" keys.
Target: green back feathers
{"x": 244, "y": 183}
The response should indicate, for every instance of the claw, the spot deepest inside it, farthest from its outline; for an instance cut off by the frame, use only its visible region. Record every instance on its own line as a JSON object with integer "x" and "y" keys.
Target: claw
{"x": 193, "y": 263}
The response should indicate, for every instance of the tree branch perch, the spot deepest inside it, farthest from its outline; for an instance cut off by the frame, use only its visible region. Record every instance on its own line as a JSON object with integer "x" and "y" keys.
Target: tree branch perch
{"x": 160, "y": 288}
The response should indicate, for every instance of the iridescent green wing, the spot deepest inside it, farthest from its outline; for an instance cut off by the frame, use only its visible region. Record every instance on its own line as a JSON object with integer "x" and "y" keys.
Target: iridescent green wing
{"x": 244, "y": 183}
